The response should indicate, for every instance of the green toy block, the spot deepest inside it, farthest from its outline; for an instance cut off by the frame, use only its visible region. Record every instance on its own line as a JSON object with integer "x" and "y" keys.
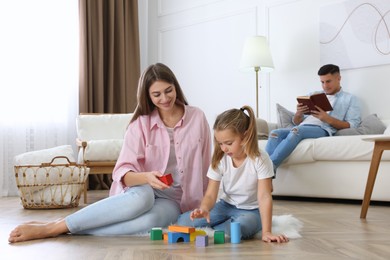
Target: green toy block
{"x": 156, "y": 234}
{"x": 219, "y": 237}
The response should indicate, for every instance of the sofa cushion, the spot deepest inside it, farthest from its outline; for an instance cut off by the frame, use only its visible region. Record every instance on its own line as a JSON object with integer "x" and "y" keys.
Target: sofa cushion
{"x": 101, "y": 150}
{"x": 102, "y": 126}
{"x": 262, "y": 128}
{"x": 387, "y": 130}
{"x": 342, "y": 148}
{"x": 334, "y": 148}
{"x": 303, "y": 153}
{"x": 284, "y": 117}
{"x": 370, "y": 125}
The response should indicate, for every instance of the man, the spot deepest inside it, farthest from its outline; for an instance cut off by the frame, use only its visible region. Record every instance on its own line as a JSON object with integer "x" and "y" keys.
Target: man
{"x": 345, "y": 114}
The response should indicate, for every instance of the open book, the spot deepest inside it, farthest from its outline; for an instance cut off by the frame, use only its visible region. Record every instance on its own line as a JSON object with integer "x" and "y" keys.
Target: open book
{"x": 319, "y": 100}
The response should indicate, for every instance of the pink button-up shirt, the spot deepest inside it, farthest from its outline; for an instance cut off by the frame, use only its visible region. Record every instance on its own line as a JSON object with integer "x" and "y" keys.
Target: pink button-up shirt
{"x": 146, "y": 148}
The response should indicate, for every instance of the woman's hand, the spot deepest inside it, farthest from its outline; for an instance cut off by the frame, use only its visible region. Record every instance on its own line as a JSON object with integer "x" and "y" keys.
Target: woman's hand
{"x": 200, "y": 213}
{"x": 151, "y": 178}
{"x": 269, "y": 237}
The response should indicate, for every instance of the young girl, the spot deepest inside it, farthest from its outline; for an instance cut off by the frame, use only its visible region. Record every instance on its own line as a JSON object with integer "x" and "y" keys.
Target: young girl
{"x": 246, "y": 180}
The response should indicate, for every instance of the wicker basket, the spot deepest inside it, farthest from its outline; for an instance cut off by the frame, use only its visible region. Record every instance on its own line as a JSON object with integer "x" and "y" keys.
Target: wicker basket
{"x": 50, "y": 185}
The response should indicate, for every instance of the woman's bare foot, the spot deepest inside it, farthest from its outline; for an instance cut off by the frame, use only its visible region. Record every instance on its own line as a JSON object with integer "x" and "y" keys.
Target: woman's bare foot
{"x": 37, "y": 230}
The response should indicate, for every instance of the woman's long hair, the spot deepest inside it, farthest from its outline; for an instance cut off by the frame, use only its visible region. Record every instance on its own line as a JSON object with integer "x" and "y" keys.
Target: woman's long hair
{"x": 153, "y": 73}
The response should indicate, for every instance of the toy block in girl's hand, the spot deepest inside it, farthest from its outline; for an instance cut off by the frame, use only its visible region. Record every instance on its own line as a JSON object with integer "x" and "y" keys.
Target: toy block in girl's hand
{"x": 167, "y": 179}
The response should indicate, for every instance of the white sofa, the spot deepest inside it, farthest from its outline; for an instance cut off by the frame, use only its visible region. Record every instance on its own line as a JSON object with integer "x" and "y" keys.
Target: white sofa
{"x": 332, "y": 167}
{"x": 100, "y": 140}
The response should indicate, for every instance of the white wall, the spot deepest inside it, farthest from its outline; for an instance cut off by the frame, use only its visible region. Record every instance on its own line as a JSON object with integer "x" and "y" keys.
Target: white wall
{"x": 202, "y": 40}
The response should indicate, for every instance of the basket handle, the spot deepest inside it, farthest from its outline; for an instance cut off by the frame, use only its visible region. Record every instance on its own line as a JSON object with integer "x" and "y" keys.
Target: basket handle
{"x": 56, "y": 157}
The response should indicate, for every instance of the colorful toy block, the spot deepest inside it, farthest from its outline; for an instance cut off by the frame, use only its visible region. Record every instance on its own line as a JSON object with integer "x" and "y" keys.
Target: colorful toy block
{"x": 235, "y": 232}
{"x": 165, "y": 236}
{"x": 181, "y": 229}
{"x": 167, "y": 179}
{"x": 156, "y": 234}
{"x": 175, "y": 237}
{"x": 202, "y": 241}
{"x": 219, "y": 237}
{"x": 196, "y": 233}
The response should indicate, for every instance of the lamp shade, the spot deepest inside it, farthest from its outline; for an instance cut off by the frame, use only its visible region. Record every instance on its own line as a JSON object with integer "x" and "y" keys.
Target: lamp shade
{"x": 256, "y": 53}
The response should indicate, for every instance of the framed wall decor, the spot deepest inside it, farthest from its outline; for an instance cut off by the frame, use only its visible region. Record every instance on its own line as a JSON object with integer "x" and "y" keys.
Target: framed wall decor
{"x": 355, "y": 33}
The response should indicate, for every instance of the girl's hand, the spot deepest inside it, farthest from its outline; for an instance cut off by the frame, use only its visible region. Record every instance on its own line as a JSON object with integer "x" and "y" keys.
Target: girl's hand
{"x": 269, "y": 237}
{"x": 200, "y": 213}
{"x": 151, "y": 178}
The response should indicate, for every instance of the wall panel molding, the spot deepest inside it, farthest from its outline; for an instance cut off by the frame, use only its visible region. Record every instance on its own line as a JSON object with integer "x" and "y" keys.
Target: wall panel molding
{"x": 164, "y": 8}
{"x": 249, "y": 12}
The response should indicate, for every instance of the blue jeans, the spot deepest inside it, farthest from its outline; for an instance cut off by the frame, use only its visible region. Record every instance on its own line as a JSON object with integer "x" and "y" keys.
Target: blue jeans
{"x": 132, "y": 212}
{"x": 222, "y": 215}
{"x": 282, "y": 142}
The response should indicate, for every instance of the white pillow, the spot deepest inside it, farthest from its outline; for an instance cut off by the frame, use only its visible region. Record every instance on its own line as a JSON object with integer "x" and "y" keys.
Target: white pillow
{"x": 102, "y": 126}
{"x": 46, "y": 156}
{"x": 103, "y": 150}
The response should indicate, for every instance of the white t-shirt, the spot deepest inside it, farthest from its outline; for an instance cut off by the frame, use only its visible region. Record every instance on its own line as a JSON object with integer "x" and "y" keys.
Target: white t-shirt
{"x": 239, "y": 185}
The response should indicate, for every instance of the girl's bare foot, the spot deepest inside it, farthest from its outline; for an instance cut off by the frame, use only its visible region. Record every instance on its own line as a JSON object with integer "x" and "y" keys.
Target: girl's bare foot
{"x": 37, "y": 230}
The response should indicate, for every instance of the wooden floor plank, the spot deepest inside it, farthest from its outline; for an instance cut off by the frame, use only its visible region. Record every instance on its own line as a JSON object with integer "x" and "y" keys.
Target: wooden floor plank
{"x": 330, "y": 231}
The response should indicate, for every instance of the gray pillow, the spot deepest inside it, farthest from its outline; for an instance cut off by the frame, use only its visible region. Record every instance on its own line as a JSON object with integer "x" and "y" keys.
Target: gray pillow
{"x": 285, "y": 117}
{"x": 370, "y": 125}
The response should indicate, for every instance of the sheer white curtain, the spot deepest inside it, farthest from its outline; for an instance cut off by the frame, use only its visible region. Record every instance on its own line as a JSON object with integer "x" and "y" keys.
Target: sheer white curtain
{"x": 38, "y": 79}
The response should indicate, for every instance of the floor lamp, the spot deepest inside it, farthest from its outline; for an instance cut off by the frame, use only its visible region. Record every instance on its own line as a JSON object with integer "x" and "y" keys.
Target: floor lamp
{"x": 257, "y": 56}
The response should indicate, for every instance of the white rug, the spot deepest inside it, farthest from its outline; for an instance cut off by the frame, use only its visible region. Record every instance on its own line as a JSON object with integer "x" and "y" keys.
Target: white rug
{"x": 287, "y": 225}
{"x": 284, "y": 224}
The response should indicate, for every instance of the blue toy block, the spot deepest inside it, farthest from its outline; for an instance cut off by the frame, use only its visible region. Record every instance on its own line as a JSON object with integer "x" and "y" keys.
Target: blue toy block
{"x": 235, "y": 232}
{"x": 202, "y": 241}
{"x": 175, "y": 237}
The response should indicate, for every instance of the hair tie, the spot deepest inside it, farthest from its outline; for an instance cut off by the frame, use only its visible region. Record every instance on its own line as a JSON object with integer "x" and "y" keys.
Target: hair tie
{"x": 246, "y": 113}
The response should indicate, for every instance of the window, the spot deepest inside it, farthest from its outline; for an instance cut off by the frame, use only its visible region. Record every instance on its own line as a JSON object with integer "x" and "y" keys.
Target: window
{"x": 38, "y": 79}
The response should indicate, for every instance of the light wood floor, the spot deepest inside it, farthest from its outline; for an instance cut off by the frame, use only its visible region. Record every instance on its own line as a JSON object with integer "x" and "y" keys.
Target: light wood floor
{"x": 331, "y": 231}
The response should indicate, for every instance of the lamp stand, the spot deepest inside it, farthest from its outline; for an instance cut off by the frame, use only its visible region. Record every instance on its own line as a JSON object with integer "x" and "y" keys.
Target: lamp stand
{"x": 257, "y": 90}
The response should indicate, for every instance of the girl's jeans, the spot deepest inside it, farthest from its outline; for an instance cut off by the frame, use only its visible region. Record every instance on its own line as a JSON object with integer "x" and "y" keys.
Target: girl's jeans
{"x": 134, "y": 211}
{"x": 282, "y": 142}
{"x": 222, "y": 215}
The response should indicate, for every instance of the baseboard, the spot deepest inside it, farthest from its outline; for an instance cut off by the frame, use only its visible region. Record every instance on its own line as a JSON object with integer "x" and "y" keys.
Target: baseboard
{"x": 329, "y": 200}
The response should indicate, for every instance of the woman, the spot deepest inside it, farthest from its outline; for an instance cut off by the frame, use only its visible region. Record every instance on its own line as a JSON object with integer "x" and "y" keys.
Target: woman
{"x": 165, "y": 135}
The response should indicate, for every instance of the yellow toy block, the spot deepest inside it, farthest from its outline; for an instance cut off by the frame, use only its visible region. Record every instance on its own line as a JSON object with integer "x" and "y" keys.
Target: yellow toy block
{"x": 193, "y": 235}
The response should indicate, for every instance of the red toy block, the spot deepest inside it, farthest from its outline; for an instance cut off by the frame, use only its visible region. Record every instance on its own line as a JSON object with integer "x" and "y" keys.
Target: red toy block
{"x": 167, "y": 179}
